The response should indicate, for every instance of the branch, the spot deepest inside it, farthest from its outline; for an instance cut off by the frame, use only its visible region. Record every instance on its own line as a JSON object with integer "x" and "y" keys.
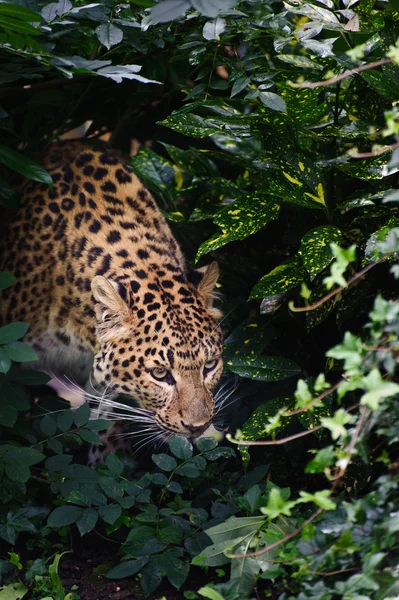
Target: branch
{"x": 373, "y": 65}
{"x": 273, "y": 442}
{"x": 283, "y": 540}
{"x": 330, "y": 390}
{"x": 388, "y": 148}
{"x": 10, "y": 91}
{"x": 334, "y": 292}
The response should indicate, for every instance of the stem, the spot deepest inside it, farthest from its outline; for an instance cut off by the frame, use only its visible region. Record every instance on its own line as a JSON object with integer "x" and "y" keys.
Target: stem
{"x": 273, "y": 442}
{"x": 373, "y": 65}
{"x": 334, "y": 292}
{"x": 286, "y": 538}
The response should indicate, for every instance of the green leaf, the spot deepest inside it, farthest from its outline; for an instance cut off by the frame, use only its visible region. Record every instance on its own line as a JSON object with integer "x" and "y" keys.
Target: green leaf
{"x": 90, "y": 437}
{"x": 17, "y": 472}
{"x": 111, "y": 487}
{"x": 323, "y": 459}
{"x": 23, "y": 165}
{"x": 315, "y": 248}
{"x": 114, "y": 464}
{"x": 164, "y": 462}
{"x": 166, "y": 11}
{"x": 110, "y": 514}
{"x": 8, "y": 415}
{"x": 241, "y": 219}
{"x": 378, "y": 389}
{"x": 213, "y": 29}
{"x": 5, "y": 361}
{"x": 181, "y": 447}
{"x": 210, "y": 593}
{"x": 256, "y": 426}
{"x": 82, "y": 415}
{"x": 273, "y": 101}
{"x": 12, "y": 332}
{"x": 175, "y": 568}
{"x": 65, "y": 420}
{"x": 109, "y": 35}
{"x": 281, "y": 279}
{"x": 20, "y": 352}
{"x": 13, "y": 591}
{"x": 157, "y": 172}
{"x": 277, "y": 505}
{"x": 189, "y": 124}
{"x": 6, "y": 280}
{"x": 87, "y": 521}
{"x": 99, "y": 424}
{"x": 263, "y": 368}
{"x": 48, "y": 426}
{"x": 64, "y": 515}
{"x": 127, "y": 568}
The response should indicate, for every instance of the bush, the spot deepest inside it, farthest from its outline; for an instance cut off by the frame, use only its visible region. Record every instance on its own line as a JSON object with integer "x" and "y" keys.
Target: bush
{"x": 268, "y": 132}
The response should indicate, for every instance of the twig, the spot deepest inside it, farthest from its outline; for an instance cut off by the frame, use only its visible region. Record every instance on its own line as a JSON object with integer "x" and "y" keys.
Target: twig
{"x": 273, "y": 442}
{"x": 330, "y": 390}
{"x": 388, "y": 148}
{"x": 373, "y": 65}
{"x": 334, "y": 292}
{"x": 351, "y": 448}
{"x": 284, "y": 539}
{"x": 323, "y": 574}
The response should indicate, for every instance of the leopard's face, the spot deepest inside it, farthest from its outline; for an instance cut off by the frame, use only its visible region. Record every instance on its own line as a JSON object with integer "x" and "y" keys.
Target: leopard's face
{"x": 160, "y": 347}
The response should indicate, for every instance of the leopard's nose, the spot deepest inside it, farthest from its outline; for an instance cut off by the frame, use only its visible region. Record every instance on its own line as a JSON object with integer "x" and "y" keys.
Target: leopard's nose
{"x": 196, "y": 429}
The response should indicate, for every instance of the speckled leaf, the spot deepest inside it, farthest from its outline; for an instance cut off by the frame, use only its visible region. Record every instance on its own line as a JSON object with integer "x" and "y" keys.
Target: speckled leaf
{"x": 263, "y": 368}
{"x": 280, "y": 280}
{"x": 369, "y": 168}
{"x": 298, "y": 182}
{"x": 300, "y": 61}
{"x": 315, "y": 317}
{"x": 315, "y": 248}
{"x": 189, "y": 124}
{"x": 251, "y": 336}
{"x": 311, "y": 418}
{"x": 303, "y": 106}
{"x": 254, "y": 428}
{"x": 382, "y": 83}
{"x": 157, "y": 172}
{"x": 241, "y": 219}
{"x": 371, "y": 251}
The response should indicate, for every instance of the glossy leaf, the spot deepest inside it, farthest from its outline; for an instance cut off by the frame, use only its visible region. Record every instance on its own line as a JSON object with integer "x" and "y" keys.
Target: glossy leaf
{"x": 263, "y": 368}
{"x": 12, "y": 332}
{"x": 315, "y": 248}
{"x": 23, "y": 165}
{"x": 280, "y": 280}
{"x": 254, "y": 428}
{"x": 241, "y": 219}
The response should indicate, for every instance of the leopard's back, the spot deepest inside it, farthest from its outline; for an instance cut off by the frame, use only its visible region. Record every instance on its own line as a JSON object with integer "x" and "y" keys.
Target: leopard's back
{"x": 96, "y": 219}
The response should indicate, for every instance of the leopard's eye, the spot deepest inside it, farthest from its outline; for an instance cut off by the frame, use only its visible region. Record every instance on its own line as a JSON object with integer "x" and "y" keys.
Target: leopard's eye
{"x": 161, "y": 374}
{"x": 211, "y": 364}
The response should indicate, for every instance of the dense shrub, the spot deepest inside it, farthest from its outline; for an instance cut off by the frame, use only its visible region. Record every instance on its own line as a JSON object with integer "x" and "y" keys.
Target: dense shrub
{"x": 268, "y": 132}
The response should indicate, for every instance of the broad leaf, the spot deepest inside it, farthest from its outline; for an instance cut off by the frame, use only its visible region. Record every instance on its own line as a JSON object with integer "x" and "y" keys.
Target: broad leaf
{"x": 263, "y": 368}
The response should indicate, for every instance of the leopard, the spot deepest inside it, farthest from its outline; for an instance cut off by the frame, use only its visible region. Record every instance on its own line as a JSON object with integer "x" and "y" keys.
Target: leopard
{"x": 109, "y": 298}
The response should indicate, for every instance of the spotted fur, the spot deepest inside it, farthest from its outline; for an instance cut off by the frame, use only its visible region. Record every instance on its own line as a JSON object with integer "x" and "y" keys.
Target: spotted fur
{"x": 105, "y": 289}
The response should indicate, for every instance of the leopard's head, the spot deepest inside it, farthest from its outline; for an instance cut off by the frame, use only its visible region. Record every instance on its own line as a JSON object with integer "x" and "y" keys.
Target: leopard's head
{"x": 160, "y": 344}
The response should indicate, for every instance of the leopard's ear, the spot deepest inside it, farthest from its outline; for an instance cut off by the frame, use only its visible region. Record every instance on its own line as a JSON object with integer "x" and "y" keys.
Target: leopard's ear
{"x": 110, "y": 309}
{"x": 207, "y": 287}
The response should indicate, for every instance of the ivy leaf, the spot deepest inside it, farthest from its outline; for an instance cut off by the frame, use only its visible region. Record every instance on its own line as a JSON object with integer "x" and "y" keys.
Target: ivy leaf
{"x": 263, "y": 368}
{"x": 336, "y": 423}
{"x": 109, "y": 35}
{"x": 277, "y": 505}
{"x": 378, "y": 389}
{"x": 315, "y": 248}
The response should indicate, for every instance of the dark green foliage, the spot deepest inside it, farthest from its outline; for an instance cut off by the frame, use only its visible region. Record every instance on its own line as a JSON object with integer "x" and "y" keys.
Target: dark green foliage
{"x": 294, "y": 191}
